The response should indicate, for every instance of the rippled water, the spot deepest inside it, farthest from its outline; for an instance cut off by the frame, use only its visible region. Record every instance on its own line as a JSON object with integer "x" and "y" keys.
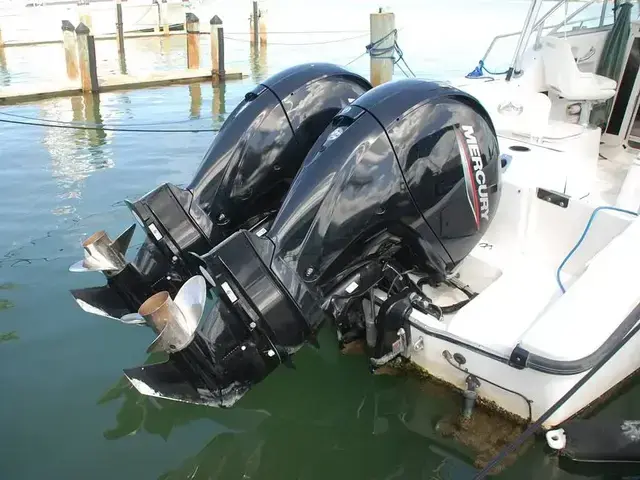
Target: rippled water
{"x": 65, "y": 411}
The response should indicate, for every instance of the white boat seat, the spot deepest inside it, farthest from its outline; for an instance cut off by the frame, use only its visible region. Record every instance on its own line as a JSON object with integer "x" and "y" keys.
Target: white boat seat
{"x": 563, "y": 76}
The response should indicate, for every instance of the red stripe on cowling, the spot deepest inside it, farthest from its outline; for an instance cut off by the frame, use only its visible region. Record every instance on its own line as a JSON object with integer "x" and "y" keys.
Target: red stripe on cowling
{"x": 474, "y": 189}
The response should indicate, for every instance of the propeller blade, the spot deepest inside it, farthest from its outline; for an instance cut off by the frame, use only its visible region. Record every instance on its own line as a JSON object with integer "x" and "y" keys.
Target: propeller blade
{"x": 121, "y": 244}
{"x": 133, "y": 319}
{"x": 101, "y": 254}
{"x": 79, "y": 267}
{"x": 90, "y": 264}
{"x": 191, "y": 299}
{"x": 175, "y": 321}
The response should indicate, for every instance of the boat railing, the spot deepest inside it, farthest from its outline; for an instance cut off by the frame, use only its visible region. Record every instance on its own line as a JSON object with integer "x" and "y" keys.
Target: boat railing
{"x": 540, "y": 27}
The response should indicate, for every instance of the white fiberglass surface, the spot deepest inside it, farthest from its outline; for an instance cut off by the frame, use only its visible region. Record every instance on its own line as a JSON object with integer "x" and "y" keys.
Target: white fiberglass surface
{"x": 514, "y": 271}
{"x": 594, "y": 304}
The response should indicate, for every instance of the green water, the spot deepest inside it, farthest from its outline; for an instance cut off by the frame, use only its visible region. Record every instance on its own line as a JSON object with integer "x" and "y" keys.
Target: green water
{"x": 65, "y": 411}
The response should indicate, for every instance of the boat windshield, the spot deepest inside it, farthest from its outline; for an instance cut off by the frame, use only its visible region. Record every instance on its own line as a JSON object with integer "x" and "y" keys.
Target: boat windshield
{"x": 564, "y": 16}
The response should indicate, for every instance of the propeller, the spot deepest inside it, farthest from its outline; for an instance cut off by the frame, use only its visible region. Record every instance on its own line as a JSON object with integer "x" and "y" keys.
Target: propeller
{"x": 102, "y": 254}
{"x": 175, "y": 321}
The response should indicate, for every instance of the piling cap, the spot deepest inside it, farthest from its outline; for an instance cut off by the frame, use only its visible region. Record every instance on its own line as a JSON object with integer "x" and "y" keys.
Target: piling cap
{"x": 216, "y": 20}
{"x": 82, "y": 29}
{"x": 192, "y": 18}
{"x": 67, "y": 26}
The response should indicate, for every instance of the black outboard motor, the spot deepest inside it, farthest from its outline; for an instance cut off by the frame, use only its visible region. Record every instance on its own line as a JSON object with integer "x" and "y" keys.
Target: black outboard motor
{"x": 240, "y": 185}
{"x": 405, "y": 178}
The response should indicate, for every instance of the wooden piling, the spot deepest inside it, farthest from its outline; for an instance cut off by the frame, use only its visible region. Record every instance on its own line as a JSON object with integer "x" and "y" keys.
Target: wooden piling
{"x": 87, "y": 59}
{"x": 119, "y": 29}
{"x": 262, "y": 25}
{"x": 193, "y": 41}
{"x": 1, "y": 42}
{"x": 382, "y": 26}
{"x": 70, "y": 49}
{"x": 254, "y": 23}
{"x": 217, "y": 49}
{"x": 164, "y": 16}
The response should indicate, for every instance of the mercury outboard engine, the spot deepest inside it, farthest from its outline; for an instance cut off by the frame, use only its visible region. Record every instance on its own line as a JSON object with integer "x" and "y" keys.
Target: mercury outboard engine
{"x": 406, "y": 178}
{"x": 240, "y": 185}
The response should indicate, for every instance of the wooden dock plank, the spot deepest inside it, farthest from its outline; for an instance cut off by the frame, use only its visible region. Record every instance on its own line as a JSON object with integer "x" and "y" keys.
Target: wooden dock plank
{"x": 26, "y": 93}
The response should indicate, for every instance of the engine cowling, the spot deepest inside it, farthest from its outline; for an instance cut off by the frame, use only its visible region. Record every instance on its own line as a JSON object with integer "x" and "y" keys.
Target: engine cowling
{"x": 240, "y": 183}
{"x": 408, "y": 173}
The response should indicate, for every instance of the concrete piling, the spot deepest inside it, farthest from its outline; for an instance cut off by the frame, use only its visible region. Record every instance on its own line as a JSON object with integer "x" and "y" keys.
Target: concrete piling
{"x": 193, "y": 41}
{"x": 87, "y": 59}
{"x": 382, "y": 26}
{"x": 217, "y": 48}
{"x": 70, "y": 49}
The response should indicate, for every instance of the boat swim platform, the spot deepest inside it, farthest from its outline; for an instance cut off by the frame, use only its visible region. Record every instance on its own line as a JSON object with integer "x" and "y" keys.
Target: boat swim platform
{"x": 26, "y": 93}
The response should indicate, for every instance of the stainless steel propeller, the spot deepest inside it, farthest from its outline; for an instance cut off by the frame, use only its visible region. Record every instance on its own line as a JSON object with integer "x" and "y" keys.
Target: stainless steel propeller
{"x": 175, "y": 321}
{"x": 103, "y": 254}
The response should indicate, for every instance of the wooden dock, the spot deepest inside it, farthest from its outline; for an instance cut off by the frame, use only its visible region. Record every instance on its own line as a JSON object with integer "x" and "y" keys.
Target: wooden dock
{"x": 82, "y": 65}
{"x": 26, "y": 93}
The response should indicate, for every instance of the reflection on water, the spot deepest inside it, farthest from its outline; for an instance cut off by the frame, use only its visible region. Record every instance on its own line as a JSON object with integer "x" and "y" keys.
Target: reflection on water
{"x": 258, "y": 62}
{"x": 122, "y": 60}
{"x": 352, "y": 426}
{"x": 5, "y": 80}
{"x": 76, "y": 153}
{"x": 195, "y": 93}
{"x": 218, "y": 101}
